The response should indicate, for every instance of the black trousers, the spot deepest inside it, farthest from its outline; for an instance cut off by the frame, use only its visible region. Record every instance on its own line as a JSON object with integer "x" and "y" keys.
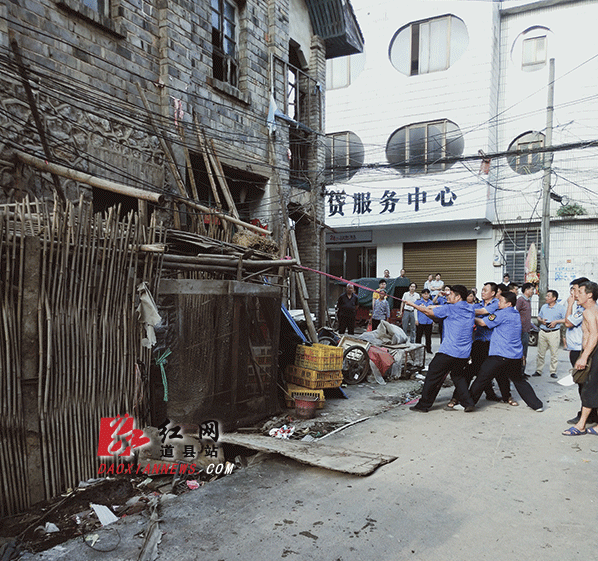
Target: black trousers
{"x": 479, "y": 353}
{"x": 511, "y": 367}
{"x": 425, "y": 329}
{"x": 573, "y": 356}
{"x": 346, "y": 323}
{"x": 438, "y": 369}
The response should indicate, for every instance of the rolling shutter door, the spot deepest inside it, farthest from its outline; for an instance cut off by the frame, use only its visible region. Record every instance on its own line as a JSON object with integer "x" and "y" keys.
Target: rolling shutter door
{"x": 454, "y": 260}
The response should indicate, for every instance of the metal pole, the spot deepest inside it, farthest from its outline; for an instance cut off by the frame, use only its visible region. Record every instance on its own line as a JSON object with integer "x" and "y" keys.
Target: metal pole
{"x": 544, "y": 253}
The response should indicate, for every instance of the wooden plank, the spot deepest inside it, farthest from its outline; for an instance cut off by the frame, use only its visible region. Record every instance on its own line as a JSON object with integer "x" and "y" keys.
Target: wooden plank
{"x": 295, "y": 255}
{"x": 221, "y": 178}
{"x": 311, "y": 328}
{"x": 216, "y": 287}
{"x": 316, "y": 454}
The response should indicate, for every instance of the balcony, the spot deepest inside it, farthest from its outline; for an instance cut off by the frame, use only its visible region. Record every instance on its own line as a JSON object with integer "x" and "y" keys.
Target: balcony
{"x": 335, "y": 22}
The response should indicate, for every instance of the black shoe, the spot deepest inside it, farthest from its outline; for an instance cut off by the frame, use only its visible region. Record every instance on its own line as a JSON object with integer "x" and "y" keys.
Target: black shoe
{"x": 553, "y": 375}
{"x": 536, "y": 374}
{"x": 493, "y": 397}
{"x": 525, "y": 376}
{"x": 469, "y": 409}
{"x": 418, "y": 409}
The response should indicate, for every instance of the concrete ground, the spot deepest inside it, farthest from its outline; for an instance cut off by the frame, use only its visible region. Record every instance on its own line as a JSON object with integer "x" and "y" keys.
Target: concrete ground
{"x": 501, "y": 483}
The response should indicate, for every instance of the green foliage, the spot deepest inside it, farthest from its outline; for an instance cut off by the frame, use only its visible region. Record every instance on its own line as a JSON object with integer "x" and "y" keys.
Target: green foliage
{"x": 572, "y": 209}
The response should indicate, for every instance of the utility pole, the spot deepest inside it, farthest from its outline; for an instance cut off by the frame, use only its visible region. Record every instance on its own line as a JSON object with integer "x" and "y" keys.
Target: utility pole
{"x": 545, "y": 233}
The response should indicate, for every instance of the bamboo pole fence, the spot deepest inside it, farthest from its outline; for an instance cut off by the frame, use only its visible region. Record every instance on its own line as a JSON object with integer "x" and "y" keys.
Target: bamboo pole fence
{"x": 88, "y": 359}
{"x": 89, "y": 337}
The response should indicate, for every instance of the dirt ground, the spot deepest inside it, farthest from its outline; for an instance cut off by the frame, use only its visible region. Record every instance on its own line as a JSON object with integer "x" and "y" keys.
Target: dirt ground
{"x": 73, "y": 517}
{"x": 498, "y": 484}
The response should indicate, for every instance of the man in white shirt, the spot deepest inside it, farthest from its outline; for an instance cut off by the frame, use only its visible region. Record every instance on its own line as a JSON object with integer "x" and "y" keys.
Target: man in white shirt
{"x": 408, "y": 312}
{"x": 436, "y": 285}
{"x": 550, "y": 317}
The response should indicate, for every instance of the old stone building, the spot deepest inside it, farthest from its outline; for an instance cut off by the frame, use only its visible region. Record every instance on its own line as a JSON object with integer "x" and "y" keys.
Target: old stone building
{"x": 204, "y": 116}
{"x": 129, "y": 91}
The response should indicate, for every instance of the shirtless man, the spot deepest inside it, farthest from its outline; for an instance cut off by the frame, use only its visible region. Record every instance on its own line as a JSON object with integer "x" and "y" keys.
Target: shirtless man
{"x": 586, "y": 297}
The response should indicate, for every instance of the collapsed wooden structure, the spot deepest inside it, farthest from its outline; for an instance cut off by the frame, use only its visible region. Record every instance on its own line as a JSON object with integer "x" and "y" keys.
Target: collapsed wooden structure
{"x": 73, "y": 349}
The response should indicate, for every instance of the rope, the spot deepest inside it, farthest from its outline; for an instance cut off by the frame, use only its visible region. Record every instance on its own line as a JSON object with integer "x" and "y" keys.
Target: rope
{"x": 345, "y": 280}
{"x": 161, "y": 362}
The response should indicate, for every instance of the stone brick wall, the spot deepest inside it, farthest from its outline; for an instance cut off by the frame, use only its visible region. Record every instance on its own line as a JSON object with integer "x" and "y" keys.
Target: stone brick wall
{"x": 85, "y": 69}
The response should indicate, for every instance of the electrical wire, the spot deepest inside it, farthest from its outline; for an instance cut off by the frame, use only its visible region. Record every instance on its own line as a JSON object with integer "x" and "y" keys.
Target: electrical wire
{"x": 58, "y": 87}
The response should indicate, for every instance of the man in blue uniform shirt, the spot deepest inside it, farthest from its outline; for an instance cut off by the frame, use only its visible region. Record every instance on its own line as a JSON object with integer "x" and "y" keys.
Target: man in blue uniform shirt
{"x": 454, "y": 350}
{"x": 481, "y": 341}
{"x": 440, "y": 300}
{"x": 505, "y": 353}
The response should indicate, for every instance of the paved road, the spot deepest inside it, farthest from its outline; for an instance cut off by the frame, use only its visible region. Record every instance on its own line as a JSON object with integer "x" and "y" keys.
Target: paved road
{"x": 497, "y": 484}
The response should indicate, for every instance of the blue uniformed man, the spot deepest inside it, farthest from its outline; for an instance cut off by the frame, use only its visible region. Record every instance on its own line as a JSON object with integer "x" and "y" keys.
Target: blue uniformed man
{"x": 454, "y": 350}
{"x": 505, "y": 354}
{"x": 481, "y": 341}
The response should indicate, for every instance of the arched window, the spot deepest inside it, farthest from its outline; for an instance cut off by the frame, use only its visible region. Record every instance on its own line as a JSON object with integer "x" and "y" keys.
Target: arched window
{"x": 417, "y": 148}
{"x": 341, "y": 72}
{"x": 344, "y": 156}
{"x": 428, "y": 45}
{"x": 527, "y": 162}
{"x": 530, "y": 49}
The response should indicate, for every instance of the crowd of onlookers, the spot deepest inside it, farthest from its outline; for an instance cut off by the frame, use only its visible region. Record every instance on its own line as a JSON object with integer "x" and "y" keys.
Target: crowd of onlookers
{"x": 485, "y": 339}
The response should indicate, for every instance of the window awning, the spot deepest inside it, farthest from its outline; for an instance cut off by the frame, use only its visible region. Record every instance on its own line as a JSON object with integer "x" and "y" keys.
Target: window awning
{"x": 335, "y": 22}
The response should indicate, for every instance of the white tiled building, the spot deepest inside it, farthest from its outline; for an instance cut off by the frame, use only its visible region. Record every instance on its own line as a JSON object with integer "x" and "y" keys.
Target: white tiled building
{"x": 438, "y": 84}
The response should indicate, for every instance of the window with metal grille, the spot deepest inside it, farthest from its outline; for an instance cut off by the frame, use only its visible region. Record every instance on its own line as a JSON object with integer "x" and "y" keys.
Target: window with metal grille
{"x": 516, "y": 245}
{"x": 225, "y": 63}
{"x": 419, "y": 148}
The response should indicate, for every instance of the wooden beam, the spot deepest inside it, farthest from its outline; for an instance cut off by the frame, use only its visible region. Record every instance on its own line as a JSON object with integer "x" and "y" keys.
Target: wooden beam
{"x": 311, "y": 328}
{"x": 206, "y": 161}
{"x": 222, "y": 179}
{"x": 231, "y": 261}
{"x": 166, "y": 147}
{"x": 295, "y": 254}
{"x": 211, "y": 211}
{"x": 217, "y": 288}
{"x": 89, "y": 179}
